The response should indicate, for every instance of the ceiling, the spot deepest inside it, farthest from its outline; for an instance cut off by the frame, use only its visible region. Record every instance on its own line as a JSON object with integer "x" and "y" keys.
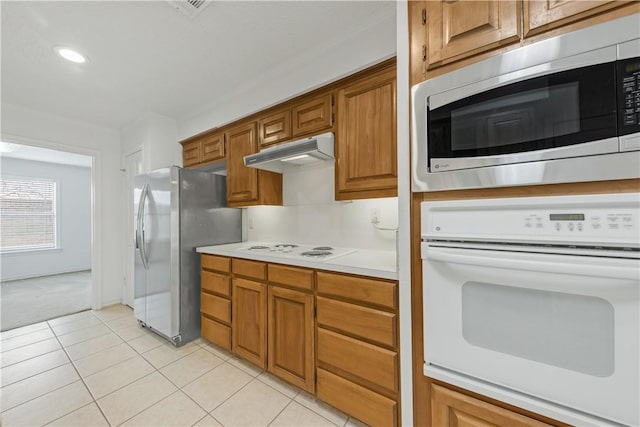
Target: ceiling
{"x": 27, "y": 152}
{"x": 145, "y": 56}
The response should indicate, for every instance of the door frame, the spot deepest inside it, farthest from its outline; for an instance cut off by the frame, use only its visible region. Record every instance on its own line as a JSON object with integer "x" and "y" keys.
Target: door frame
{"x": 96, "y": 205}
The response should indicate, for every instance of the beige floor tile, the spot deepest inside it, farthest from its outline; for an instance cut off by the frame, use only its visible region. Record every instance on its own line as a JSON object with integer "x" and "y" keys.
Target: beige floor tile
{"x": 135, "y": 398}
{"x": 131, "y": 332}
{"x": 84, "y": 334}
{"x": 216, "y": 386}
{"x": 28, "y": 351}
{"x": 12, "y": 333}
{"x": 321, "y": 408}
{"x": 49, "y": 407}
{"x": 249, "y": 368}
{"x": 104, "y": 359}
{"x": 71, "y": 318}
{"x": 280, "y": 385}
{"x": 33, "y": 366}
{"x": 76, "y": 325}
{"x": 176, "y": 410}
{"x": 146, "y": 342}
{"x": 208, "y": 421}
{"x": 187, "y": 369}
{"x": 167, "y": 353}
{"x": 26, "y": 339}
{"x": 92, "y": 346}
{"x": 122, "y": 323}
{"x": 89, "y": 415}
{"x": 296, "y": 415}
{"x": 352, "y": 422}
{"x": 38, "y": 385}
{"x": 220, "y": 352}
{"x": 113, "y": 312}
{"x": 117, "y": 376}
{"x": 257, "y": 404}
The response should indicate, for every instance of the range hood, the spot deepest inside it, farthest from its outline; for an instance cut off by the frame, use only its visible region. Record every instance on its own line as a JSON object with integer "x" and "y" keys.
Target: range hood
{"x": 295, "y": 153}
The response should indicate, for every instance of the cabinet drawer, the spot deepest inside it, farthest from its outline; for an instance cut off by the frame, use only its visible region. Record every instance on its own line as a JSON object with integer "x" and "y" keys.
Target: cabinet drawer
{"x": 368, "y": 323}
{"x": 213, "y": 148}
{"x": 214, "y": 262}
{"x": 216, "y": 307}
{"x": 313, "y": 115}
{"x": 275, "y": 128}
{"x": 216, "y": 283}
{"x": 359, "y": 289}
{"x": 364, "y": 404}
{"x": 216, "y": 332}
{"x": 291, "y": 276}
{"x": 369, "y": 362}
{"x": 253, "y": 269}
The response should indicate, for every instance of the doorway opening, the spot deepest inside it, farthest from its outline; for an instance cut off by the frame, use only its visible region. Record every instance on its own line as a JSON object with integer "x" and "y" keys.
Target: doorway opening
{"x": 45, "y": 234}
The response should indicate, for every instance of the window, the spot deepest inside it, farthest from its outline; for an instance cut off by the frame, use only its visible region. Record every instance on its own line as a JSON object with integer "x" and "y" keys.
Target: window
{"x": 27, "y": 213}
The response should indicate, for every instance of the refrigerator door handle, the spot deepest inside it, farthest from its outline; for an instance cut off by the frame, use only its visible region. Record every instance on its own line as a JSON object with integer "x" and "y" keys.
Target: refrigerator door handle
{"x": 140, "y": 231}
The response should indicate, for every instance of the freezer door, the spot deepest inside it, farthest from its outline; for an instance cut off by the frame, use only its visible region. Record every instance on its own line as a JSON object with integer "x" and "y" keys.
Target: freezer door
{"x": 140, "y": 270}
{"x": 157, "y": 244}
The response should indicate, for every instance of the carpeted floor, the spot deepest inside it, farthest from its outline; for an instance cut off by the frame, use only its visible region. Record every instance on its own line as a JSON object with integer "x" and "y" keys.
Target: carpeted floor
{"x": 27, "y": 301}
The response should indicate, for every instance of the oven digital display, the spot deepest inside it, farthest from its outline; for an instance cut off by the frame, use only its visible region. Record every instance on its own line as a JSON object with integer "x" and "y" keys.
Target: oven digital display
{"x": 566, "y": 217}
{"x": 632, "y": 67}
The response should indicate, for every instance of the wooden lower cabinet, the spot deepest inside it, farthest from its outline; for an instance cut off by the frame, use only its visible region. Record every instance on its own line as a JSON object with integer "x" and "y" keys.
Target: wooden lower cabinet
{"x": 216, "y": 332}
{"x": 364, "y": 404}
{"x": 249, "y": 320}
{"x": 450, "y": 408}
{"x": 291, "y": 338}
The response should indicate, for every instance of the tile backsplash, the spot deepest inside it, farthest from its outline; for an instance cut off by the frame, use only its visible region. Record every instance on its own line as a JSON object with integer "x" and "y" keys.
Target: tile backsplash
{"x": 311, "y": 215}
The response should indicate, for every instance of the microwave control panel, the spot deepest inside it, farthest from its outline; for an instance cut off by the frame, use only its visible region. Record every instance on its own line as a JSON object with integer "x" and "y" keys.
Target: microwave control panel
{"x": 629, "y": 95}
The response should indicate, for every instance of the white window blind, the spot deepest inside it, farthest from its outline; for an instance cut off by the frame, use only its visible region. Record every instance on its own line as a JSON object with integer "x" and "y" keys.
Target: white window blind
{"x": 27, "y": 213}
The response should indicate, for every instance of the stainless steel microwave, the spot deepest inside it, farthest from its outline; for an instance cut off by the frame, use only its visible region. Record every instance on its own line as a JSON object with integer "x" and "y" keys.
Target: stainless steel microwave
{"x": 565, "y": 109}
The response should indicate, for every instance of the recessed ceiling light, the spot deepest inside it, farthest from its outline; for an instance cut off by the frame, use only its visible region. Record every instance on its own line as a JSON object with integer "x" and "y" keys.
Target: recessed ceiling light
{"x": 8, "y": 147}
{"x": 70, "y": 55}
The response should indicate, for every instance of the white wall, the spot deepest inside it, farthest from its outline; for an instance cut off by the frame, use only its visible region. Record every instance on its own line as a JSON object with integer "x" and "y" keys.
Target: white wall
{"x": 156, "y": 135}
{"x": 74, "y": 221}
{"x": 310, "y": 214}
{"x": 26, "y": 126}
{"x": 312, "y": 69}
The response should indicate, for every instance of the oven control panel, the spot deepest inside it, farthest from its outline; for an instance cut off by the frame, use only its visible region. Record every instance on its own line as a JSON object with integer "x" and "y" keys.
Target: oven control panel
{"x": 593, "y": 220}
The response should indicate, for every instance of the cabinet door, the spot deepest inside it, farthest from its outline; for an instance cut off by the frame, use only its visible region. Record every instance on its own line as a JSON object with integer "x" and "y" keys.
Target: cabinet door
{"x": 366, "y": 139}
{"x": 290, "y": 335}
{"x": 213, "y": 147}
{"x": 192, "y": 154}
{"x": 249, "y": 320}
{"x": 458, "y": 29}
{"x": 275, "y": 128}
{"x": 544, "y": 15}
{"x": 450, "y": 408}
{"x": 242, "y": 182}
{"x": 313, "y": 116}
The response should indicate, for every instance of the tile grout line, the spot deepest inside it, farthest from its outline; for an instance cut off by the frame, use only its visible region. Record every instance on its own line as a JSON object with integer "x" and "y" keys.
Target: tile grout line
{"x": 281, "y": 411}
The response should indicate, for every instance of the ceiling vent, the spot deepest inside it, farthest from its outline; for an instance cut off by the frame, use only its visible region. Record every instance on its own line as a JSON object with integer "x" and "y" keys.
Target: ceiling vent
{"x": 190, "y": 8}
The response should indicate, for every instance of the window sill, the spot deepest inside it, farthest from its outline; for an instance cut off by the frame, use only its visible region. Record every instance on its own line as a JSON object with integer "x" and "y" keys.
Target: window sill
{"x": 29, "y": 252}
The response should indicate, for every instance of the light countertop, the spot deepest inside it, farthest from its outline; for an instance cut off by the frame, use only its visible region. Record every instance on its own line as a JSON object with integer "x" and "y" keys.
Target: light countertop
{"x": 373, "y": 263}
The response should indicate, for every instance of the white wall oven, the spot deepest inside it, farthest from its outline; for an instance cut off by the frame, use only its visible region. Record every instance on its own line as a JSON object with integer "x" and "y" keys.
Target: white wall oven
{"x": 564, "y": 109}
{"x": 535, "y": 302}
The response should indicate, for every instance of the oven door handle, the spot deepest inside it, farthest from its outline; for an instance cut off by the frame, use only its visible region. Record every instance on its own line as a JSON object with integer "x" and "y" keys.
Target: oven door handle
{"x": 560, "y": 264}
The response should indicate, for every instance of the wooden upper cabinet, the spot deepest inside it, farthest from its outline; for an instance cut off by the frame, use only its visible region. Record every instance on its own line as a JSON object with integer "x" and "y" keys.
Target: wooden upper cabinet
{"x": 544, "y": 15}
{"x": 191, "y": 153}
{"x": 248, "y": 186}
{"x": 249, "y": 321}
{"x": 366, "y": 138}
{"x": 275, "y": 128}
{"x": 450, "y": 408}
{"x": 313, "y": 115}
{"x": 459, "y": 29}
{"x": 213, "y": 147}
{"x": 291, "y": 337}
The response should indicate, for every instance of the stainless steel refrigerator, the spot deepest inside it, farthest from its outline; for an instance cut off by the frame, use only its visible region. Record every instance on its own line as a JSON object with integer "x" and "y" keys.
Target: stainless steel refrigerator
{"x": 176, "y": 211}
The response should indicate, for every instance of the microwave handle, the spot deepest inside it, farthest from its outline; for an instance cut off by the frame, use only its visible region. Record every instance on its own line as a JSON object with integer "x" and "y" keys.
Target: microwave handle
{"x": 533, "y": 262}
